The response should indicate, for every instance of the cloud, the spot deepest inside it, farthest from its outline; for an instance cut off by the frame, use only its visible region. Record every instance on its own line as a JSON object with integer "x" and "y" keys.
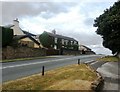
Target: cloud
{"x": 69, "y": 18}
{"x": 11, "y": 10}
{"x": 89, "y": 21}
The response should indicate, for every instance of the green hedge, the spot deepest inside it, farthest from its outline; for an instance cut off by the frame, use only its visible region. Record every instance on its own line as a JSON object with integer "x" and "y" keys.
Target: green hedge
{"x": 7, "y": 36}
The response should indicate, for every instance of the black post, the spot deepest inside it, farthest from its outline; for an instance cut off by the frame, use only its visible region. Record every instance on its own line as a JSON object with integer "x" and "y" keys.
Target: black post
{"x": 78, "y": 61}
{"x": 42, "y": 70}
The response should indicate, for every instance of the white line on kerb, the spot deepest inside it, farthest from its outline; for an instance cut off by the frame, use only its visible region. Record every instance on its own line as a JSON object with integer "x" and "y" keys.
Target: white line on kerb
{"x": 34, "y": 63}
{"x": 94, "y": 63}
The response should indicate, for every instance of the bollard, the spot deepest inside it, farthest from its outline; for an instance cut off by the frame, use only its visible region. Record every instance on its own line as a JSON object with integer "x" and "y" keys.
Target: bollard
{"x": 78, "y": 61}
{"x": 42, "y": 70}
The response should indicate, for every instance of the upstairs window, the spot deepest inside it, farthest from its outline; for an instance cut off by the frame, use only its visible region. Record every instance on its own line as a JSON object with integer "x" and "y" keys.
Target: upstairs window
{"x": 62, "y": 41}
{"x": 55, "y": 40}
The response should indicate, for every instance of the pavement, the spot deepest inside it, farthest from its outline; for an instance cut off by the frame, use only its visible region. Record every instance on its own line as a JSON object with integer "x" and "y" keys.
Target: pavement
{"x": 110, "y": 71}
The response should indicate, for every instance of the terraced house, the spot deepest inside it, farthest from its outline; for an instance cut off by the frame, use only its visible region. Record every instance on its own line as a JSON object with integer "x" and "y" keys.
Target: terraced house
{"x": 56, "y": 41}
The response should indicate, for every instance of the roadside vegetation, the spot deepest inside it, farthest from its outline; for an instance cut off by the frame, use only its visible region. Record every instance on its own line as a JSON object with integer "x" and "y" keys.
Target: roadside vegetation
{"x": 109, "y": 59}
{"x": 72, "y": 77}
{"x": 23, "y": 59}
{"x": 108, "y": 27}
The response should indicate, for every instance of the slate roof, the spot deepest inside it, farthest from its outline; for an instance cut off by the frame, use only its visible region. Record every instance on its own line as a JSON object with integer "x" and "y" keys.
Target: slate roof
{"x": 19, "y": 36}
{"x": 60, "y": 36}
{"x": 86, "y": 47}
{"x": 25, "y": 36}
{"x": 8, "y": 26}
{"x": 27, "y": 33}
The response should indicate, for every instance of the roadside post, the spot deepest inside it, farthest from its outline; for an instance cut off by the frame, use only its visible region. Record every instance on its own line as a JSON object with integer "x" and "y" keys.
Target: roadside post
{"x": 43, "y": 70}
{"x": 78, "y": 61}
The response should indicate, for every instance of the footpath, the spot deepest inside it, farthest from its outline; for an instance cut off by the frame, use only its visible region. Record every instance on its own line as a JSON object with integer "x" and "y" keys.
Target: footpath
{"x": 110, "y": 71}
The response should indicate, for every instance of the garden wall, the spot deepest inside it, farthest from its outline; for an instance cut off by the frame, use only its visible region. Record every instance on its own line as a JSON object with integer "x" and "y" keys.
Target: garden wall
{"x": 26, "y": 52}
{"x": 71, "y": 52}
{"x": 22, "y": 52}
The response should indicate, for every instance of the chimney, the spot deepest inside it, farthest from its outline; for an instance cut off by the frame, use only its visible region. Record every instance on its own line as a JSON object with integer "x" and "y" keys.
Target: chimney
{"x": 16, "y": 28}
{"x": 53, "y": 31}
{"x": 16, "y": 22}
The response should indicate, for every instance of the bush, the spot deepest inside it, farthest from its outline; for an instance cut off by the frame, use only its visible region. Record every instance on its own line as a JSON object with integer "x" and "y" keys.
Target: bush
{"x": 7, "y": 36}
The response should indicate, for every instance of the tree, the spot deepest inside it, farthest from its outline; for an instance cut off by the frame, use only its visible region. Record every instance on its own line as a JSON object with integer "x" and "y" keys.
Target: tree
{"x": 46, "y": 40}
{"x": 7, "y": 36}
{"x": 109, "y": 27}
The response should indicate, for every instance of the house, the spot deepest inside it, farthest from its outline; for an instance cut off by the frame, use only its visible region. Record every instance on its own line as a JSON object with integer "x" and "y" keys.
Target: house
{"x": 56, "y": 41}
{"x": 25, "y": 38}
{"x": 85, "y": 50}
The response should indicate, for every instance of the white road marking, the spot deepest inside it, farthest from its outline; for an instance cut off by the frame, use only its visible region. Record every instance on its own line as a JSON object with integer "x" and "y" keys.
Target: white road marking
{"x": 12, "y": 66}
{"x": 94, "y": 62}
{"x": 35, "y": 63}
{"x": 89, "y": 61}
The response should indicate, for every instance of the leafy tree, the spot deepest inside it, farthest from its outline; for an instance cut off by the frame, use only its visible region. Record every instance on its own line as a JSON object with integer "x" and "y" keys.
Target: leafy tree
{"x": 46, "y": 40}
{"x": 109, "y": 27}
{"x": 7, "y": 36}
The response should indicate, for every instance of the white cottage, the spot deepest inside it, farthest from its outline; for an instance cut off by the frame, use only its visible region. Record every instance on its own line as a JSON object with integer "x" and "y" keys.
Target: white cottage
{"x": 25, "y": 38}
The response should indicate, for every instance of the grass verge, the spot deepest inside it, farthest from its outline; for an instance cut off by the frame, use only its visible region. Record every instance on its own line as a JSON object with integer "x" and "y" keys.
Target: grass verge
{"x": 23, "y": 59}
{"x": 109, "y": 59}
{"x": 72, "y": 77}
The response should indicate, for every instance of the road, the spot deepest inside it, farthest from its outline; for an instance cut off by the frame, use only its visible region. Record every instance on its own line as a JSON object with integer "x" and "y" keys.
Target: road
{"x": 19, "y": 69}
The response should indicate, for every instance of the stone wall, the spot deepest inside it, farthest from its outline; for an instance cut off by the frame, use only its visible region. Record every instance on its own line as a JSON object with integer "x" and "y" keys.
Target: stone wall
{"x": 22, "y": 52}
{"x": 79, "y": 52}
{"x": 26, "y": 52}
{"x": 89, "y": 52}
{"x": 52, "y": 52}
{"x": 71, "y": 52}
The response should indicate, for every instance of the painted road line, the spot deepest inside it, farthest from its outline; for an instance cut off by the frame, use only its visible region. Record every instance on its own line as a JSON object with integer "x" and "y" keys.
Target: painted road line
{"x": 36, "y": 63}
{"x": 88, "y": 62}
{"x": 19, "y": 65}
{"x": 94, "y": 62}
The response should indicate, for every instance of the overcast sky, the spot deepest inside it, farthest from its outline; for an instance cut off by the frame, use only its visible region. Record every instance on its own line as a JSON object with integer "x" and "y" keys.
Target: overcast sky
{"x": 73, "y": 18}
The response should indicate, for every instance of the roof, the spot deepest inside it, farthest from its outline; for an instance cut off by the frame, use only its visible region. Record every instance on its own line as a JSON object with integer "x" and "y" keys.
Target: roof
{"x": 19, "y": 36}
{"x": 8, "y": 26}
{"x": 27, "y": 33}
{"x": 85, "y": 47}
{"x": 25, "y": 36}
{"x": 60, "y": 36}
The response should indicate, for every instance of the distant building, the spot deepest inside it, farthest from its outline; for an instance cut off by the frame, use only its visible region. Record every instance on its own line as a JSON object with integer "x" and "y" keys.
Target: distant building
{"x": 85, "y": 50}
{"x": 25, "y": 38}
{"x": 56, "y": 41}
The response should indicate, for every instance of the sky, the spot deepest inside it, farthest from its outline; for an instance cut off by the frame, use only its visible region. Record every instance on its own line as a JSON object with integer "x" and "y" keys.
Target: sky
{"x": 72, "y": 18}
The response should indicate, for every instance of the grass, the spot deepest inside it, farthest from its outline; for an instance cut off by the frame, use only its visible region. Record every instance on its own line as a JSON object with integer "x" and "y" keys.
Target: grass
{"x": 72, "y": 77}
{"x": 109, "y": 59}
{"x": 23, "y": 59}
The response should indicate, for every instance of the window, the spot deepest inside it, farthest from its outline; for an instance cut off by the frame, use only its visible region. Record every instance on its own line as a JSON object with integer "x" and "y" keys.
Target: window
{"x": 62, "y": 41}
{"x": 66, "y": 42}
{"x": 55, "y": 40}
{"x": 71, "y": 42}
{"x": 75, "y": 42}
{"x": 55, "y": 47}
